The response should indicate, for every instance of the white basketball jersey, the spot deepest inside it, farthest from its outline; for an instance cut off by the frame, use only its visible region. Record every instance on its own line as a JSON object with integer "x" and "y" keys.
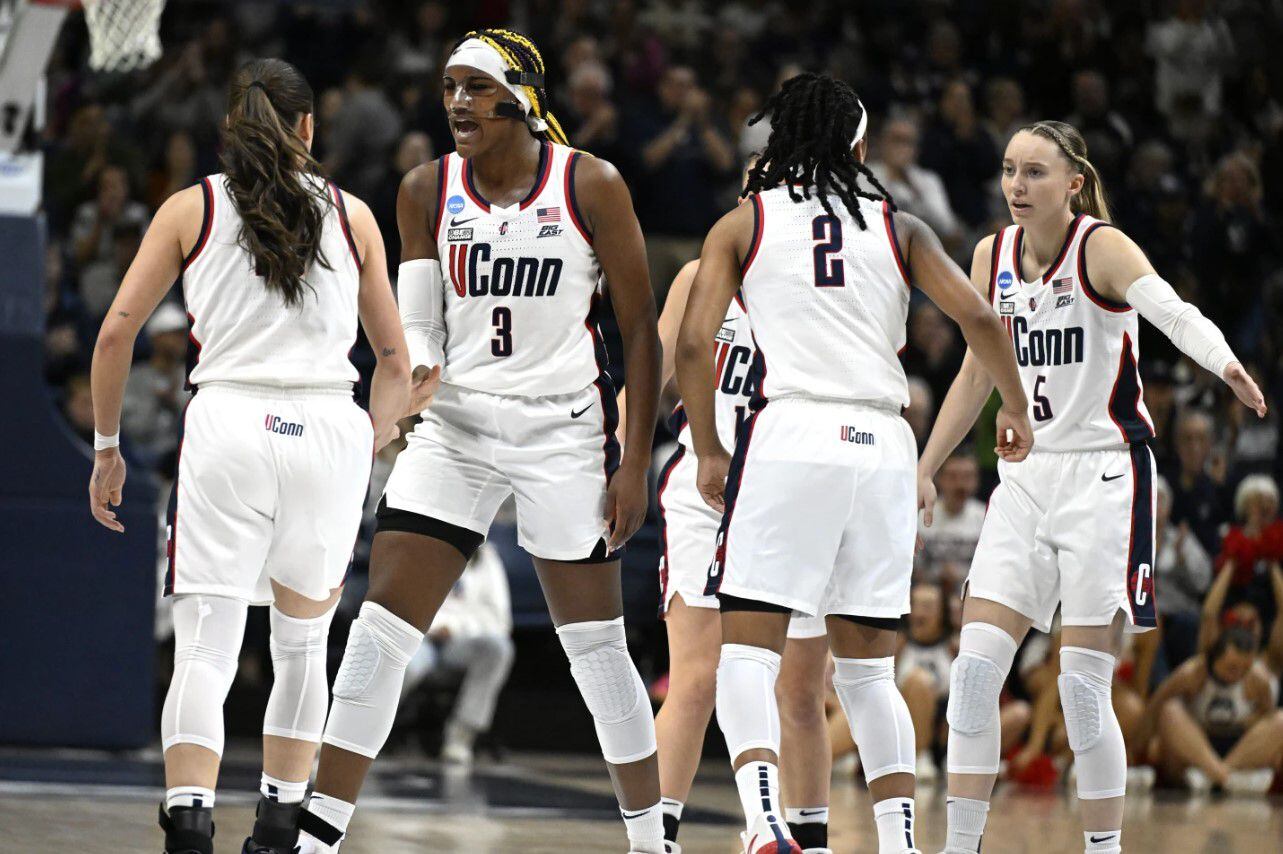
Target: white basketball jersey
{"x": 522, "y": 283}
{"x": 242, "y": 332}
{"x": 733, "y": 354}
{"x": 1078, "y": 352}
{"x": 828, "y": 300}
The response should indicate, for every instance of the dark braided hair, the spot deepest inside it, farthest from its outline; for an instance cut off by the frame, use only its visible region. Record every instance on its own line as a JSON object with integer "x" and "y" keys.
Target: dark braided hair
{"x": 521, "y": 54}
{"x": 813, "y": 118}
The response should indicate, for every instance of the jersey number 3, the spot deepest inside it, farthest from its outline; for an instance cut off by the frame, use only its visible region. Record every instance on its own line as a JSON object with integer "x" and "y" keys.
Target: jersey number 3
{"x": 501, "y": 318}
{"x": 829, "y": 272}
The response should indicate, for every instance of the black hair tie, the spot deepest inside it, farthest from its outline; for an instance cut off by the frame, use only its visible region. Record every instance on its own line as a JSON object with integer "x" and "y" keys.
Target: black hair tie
{"x": 257, "y": 84}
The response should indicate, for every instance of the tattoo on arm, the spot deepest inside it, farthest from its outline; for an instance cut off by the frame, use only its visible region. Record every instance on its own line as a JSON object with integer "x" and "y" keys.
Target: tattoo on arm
{"x": 123, "y": 313}
{"x": 389, "y": 351}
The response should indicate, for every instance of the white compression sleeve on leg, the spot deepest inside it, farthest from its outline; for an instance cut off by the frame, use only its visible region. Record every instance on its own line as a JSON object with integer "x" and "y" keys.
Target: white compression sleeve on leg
{"x": 1100, "y": 754}
{"x": 611, "y": 687}
{"x": 975, "y": 681}
{"x": 877, "y": 715}
{"x": 1191, "y": 332}
{"x": 300, "y": 693}
{"x": 747, "y": 710}
{"x": 368, "y": 686}
{"x": 207, "y": 642}
{"x": 421, "y": 300}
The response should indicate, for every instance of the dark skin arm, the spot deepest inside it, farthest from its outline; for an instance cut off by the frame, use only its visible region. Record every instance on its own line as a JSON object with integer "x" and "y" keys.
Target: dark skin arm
{"x": 617, "y": 240}
{"x": 416, "y": 214}
{"x": 716, "y": 281}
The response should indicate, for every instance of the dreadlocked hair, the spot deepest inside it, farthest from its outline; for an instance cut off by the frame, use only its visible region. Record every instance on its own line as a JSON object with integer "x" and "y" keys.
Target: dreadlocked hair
{"x": 521, "y": 55}
{"x": 813, "y": 118}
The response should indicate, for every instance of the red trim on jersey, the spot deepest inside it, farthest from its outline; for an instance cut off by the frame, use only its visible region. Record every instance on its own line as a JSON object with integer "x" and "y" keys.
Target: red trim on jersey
{"x": 541, "y": 178}
{"x": 572, "y": 203}
{"x": 1064, "y": 250}
{"x": 739, "y": 298}
{"x": 1122, "y": 366}
{"x": 1131, "y": 539}
{"x": 1016, "y": 242}
{"x": 343, "y": 221}
{"x": 1100, "y": 300}
{"x": 722, "y": 350}
{"x": 759, "y": 225}
{"x": 443, "y": 181}
{"x": 993, "y": 265}
{"x": 206, "y": 223}
{"x": 1017, "y": 247}
{"x": 458, "y": 267}
{"x": 895, "y": 245}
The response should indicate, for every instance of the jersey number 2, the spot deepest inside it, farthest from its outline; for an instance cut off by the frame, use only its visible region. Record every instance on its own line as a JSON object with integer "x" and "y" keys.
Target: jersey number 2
{"x": 829, "y": 272}
{"x": 501, "y": 317}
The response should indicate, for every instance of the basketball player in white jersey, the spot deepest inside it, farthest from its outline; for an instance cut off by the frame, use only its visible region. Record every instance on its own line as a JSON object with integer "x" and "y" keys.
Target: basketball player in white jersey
{"x": 511, "y": 234}
{"x": 688, "y": 539}
{"x": 1074, "y": 524}
{"x": 820, "y": 511}
{"x": 276, "y": 265}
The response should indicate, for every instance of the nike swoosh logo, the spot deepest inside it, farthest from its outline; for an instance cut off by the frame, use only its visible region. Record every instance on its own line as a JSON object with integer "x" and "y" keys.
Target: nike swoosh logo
{"x": 1108, "y": 479}
{"x": 812, "y": 812}
{"x": 635, "y": 814}
{"x": 455, "y": 222}
{"x": 574, "y": 414}
{"x": 1003, "y": 296}
{"x": 1102, "y": 838}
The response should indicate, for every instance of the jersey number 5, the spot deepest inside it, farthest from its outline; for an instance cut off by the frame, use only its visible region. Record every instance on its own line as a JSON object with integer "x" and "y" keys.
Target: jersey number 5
{"x": 1042, "y": 406}
{"x": 829, "y": 272}
{"x": 501, "y": 317}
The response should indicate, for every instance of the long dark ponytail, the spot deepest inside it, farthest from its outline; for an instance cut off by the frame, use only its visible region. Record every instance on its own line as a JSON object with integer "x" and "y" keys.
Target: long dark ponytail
{"x": 269, "y": 169}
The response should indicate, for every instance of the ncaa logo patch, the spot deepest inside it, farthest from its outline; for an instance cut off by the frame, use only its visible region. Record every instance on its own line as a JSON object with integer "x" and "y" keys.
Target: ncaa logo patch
{"x": 454, "y": 204}
{"x": 1005, "y": 278}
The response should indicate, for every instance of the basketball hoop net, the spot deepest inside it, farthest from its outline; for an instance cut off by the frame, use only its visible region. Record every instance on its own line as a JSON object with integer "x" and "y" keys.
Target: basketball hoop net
{"x": 124, "y": 35}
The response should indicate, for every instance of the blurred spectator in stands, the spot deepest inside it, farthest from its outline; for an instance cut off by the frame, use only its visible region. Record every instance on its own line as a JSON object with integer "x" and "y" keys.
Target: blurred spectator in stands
{"x": 1109, "y": 137}
{"x": 1182, "y": 572}
{"x": 177, "y": 169}
{"x": 74, "y": 165}
{"x": 949, "y": 544}
{"x": 1154, "y": 208}
{"x": 190, "y": 94}
{"x": 1197, "y": 499}
{"x": 747, "y": 102}
{"x": 78, "y": 406}
{"x": 1004, "y": 110}
{"x": 1234, "y": 249}
{"x": 471, "y": 633}
{"x": 1254, "y": 447}
{"x": 592, "y": 122}
{"x": 916, "y": 189}
{"x": 97, "y": 232}
{"x": 1192, "y": 50}
{"x": 413, "y": 150}
{"x": 922, "y": 671}
{"x": 360, "y": 137}
{"x": 934, "y": 350}
{"x": 1253, "y": 547}
{"x": 944, "y": 62}
{"x": 155, "y": 394}
{"x": 686, "y": 161}
{"x": 957, "y": 148}
{"x": 67, "y": 332}
{"x": 417, "y": 46}
{"x": 1160, "y": 400}
{"x": 921, "y": 411}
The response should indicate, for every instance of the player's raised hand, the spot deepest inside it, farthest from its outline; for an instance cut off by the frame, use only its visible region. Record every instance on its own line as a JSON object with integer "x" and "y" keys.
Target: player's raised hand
{"x": 1237, "y": 378}
{"x": 424, "y": 384}
{"x": 105, "y": 486}
{"x": 711, "y": 478}
{"x": 926, "y": 499}
{"x": 1015, "y": 435}
{"x": 626, "y": 500}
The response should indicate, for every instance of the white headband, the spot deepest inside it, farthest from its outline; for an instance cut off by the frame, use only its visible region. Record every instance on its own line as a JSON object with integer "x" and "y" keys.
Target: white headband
{"x": 477, "y": 54}
{"x": 863, "y": 126}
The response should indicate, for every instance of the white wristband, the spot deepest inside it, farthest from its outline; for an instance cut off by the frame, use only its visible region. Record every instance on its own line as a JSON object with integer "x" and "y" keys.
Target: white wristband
{"x": 102, "y": 443}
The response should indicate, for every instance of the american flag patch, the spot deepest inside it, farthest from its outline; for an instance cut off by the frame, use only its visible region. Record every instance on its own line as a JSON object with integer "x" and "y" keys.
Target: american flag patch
{"x": 549, "y": 214}
{"x": 1062, "y": 286}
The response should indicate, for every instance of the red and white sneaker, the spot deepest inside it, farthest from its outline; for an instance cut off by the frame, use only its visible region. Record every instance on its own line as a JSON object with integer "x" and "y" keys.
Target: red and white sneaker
{"x": 769, "y": 834}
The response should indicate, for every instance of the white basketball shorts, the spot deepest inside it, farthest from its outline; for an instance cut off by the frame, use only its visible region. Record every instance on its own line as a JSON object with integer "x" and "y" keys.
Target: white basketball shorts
{"x": 555, "y": 454}
{"x": 821, "y": 510}
{"x": 270, "y": 487}
{"x": 688, "y": 539}
{"x": 1071, "y": 529}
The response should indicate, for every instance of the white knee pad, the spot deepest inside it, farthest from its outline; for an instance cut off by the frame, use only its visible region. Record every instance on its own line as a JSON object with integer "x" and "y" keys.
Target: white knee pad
{"x": 975, "y": 682}
{"x": 300, "y": 692}
{"x": 207, "y": 642}
{"x": 368, "y": 686}
{"x": 747, "y": 711}
{"x": 877, "y": 715}
{"x": 1100, "y": 754}
{"x": 611, "y": 687}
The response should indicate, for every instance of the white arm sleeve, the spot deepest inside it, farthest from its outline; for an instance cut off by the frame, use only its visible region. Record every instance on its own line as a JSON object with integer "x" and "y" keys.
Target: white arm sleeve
{"x": 1191, "y": 332}
{"x": 421, "y": 300}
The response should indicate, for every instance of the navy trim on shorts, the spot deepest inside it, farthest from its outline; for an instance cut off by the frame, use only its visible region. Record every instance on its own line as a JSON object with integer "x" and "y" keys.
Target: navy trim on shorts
{"x": 664, "y": 474}
{"x": 727, "y": 603}
{"x": 889, "y": 624}
{"x": 600, "y": 554}
{"x": 465, "y": 540}
{"x": 171, "y": 514}
{"x": 735, "y": 474}
{"x": 1125, "y": 398}
{"x": 1140, "y": 548}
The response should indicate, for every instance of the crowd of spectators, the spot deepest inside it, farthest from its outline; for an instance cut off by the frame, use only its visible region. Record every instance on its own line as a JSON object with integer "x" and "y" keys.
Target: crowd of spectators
{"x": 1179, "y": 102}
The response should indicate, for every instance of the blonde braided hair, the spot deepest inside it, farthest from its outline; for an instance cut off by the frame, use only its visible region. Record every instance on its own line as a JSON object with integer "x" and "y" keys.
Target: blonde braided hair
{"x": 521, "y": 54}
{"x": 1091, "y": 198}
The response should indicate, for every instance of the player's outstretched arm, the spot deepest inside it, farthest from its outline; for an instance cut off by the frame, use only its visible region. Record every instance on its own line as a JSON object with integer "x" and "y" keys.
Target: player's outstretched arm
{"x": 621, "y": 251}
{"x": 716, "y": 281}
{"x": 420, "y": 285}
{"x": 148, "y": 279}
{"x": 390, "y": 385}
{"x": 1119, "y": 270}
